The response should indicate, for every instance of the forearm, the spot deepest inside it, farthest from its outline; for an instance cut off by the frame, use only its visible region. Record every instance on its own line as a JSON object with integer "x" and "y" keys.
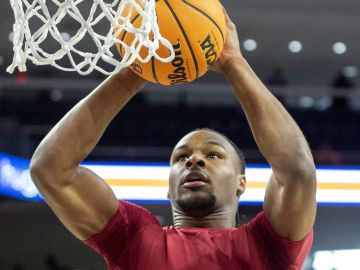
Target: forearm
{"x": 75, "y": 136}
{"x": 277, "y": 135}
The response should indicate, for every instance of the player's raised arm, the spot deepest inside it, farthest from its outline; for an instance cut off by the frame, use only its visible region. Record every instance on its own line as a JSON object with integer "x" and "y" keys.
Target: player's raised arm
{"x": 81, "y": 199}
{"x": 290, "y": 202}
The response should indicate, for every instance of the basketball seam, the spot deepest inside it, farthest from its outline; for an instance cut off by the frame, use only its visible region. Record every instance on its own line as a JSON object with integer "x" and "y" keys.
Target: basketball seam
{"x": 206, "y": 15}
{"x": 185, "y": 36}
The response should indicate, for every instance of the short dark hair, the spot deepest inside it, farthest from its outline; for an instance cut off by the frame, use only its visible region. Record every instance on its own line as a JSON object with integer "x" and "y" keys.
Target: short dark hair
{"x": 239, "y": 153}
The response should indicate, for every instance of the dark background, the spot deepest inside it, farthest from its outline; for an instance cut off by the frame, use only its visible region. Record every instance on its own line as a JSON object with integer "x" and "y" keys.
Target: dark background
{"x": 314, "y": 85}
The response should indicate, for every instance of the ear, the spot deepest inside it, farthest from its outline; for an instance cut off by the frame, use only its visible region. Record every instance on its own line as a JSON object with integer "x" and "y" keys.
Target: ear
{"x": 241, "y": 184}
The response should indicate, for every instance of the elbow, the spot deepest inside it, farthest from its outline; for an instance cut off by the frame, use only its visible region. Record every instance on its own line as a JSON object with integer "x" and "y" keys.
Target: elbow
{"x": 298, "y": 169}
{"x": 301, "y": 165}
{"x": 304, "y": 170}
{"x": 43, "y": 177}
{"x": 37, "y": 170}
{"x": 40, "y": 167}
{"x": 46, "y": 173}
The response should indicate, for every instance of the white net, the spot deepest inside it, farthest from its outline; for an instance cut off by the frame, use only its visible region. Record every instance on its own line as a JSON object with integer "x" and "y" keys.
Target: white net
{"x": 31, "y": 36}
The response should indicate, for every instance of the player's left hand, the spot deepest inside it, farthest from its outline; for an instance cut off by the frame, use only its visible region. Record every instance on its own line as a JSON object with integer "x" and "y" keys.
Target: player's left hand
{"x": 231, "y": 50}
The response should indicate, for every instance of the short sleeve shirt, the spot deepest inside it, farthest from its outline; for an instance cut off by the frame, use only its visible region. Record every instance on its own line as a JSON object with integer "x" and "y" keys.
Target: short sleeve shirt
{"x": 133, "y": 239}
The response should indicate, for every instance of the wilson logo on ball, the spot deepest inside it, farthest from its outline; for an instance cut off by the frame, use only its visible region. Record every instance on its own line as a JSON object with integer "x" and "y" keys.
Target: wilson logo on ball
{"x": 179, "y": 74}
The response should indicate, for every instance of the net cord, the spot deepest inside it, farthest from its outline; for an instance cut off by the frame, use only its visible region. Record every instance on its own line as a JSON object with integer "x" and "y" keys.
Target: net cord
{"x": 29, "y": 44}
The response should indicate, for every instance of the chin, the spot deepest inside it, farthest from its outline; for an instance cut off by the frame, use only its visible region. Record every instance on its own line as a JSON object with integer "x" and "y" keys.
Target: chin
{"x": 197, "y": 205}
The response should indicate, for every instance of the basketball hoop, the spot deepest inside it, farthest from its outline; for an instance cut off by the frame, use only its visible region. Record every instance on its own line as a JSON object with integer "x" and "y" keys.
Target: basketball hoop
{"x": 38, "y": 21}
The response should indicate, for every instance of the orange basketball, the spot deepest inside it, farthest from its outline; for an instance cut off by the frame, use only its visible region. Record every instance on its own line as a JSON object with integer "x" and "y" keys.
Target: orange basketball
{"x": 195, "y": 28}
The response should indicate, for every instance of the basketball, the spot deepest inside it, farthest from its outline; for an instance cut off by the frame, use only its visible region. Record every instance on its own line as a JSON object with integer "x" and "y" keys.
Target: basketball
{"x": 195, "y": 28}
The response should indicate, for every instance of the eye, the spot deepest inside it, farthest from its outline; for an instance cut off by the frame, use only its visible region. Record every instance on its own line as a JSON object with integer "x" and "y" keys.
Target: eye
{"x": 214, "y": 155}
{"x": 182, "y": 157}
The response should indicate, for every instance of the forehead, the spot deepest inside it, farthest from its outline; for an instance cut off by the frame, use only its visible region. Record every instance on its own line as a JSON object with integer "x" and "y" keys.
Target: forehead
{"x": 203, "y": 138}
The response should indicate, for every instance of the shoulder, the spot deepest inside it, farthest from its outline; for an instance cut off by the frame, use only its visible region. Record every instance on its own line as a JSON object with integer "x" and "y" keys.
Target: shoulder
{"x": 266, "y": 238}
{"x": 135, "y": 212}
{"x": 261, "y": 225}
{"x": 114, "y": 238}
{"x": 128, "y": 219}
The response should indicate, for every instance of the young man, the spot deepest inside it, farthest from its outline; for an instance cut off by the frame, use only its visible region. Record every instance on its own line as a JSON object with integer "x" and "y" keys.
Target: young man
{"x": 205, "y": 183}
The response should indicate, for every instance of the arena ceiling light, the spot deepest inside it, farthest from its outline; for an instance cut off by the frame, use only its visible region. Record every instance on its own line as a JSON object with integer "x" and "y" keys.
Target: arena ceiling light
{"x": 65, "y": 36}
{"x": 11, "y": 36}
{"x": 337, "y": 259}
{"x": 250, "y": 45}
{"x": 306, "y": 102}
{"x": 339, "y": 48}
{"x": 351, "y": 71}
{"x": 295, "y": 46}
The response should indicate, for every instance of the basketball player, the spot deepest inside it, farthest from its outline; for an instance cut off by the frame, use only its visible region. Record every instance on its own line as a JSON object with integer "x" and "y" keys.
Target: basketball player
{"x": 205, "y": 183}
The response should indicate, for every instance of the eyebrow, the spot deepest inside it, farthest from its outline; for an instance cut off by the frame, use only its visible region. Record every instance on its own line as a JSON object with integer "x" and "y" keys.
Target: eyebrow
{"x": 184, "y": 146}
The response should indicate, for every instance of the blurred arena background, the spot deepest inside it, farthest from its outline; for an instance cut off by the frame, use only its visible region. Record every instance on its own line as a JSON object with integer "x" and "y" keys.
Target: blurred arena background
{"x": 307, "y": 52}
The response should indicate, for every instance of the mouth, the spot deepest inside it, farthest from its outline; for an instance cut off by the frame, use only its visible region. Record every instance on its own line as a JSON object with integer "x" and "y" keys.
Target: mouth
{"x": 195, "y": 179}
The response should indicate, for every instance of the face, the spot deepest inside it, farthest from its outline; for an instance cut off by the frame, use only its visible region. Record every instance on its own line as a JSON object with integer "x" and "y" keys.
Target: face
{"x": 205, "y": 174}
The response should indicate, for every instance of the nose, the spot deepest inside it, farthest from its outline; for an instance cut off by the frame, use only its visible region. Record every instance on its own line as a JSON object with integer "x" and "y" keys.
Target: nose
{"x": 195, "y": 160}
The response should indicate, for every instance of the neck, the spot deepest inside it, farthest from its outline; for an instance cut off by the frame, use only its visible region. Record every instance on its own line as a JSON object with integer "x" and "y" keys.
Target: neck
{"x": 222, "y": 218}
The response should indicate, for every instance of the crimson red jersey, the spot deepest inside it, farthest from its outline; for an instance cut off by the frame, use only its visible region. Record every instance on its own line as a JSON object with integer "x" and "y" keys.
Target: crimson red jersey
{"x": 133, "y": 239}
